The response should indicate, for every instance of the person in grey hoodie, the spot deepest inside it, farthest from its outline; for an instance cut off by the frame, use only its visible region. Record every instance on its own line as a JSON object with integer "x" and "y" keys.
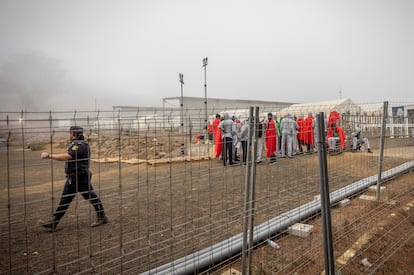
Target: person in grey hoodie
{"x": 244, "y": 137}
{"x": 236, "y": 138}
{"x": 358, "y": 139}
{"x": 294, "y": 135}
{"x": 226, "y": 127}
{"x": 259, "y": 140}
{"x": 287, "y": 131}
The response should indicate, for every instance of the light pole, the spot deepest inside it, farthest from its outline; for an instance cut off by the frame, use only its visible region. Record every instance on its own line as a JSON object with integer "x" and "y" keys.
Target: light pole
{"x": 205, "y": 63}
{"x": 181, "y": 78}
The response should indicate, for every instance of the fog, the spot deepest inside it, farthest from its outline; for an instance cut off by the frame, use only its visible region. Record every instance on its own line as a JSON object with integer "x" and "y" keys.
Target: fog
{"x": 37, "y": 82}
{"x": 31, "y": 81}
{"x": 97, "y": 54}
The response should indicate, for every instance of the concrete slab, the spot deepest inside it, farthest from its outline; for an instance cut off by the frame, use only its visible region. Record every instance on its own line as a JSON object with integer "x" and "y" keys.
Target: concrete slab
{"x": 374, "y": 188}
{"x": 368, "y": 198}
{"x": 300, "y": 229}
{"x": 344, "y": 202}
{"x": 231, "y": 271}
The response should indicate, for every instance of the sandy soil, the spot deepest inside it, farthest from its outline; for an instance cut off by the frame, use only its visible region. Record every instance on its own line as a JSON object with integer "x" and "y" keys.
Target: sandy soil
{"x": 163, "y": 212}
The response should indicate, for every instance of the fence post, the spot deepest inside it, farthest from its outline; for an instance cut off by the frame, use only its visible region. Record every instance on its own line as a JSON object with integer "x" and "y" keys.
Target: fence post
{"x": 381, "y": 153}
{"x": 325, "y": 200}
{"x": 181, "y": 76}
{"x": 9, "y": 195}
{"x": 407, "y": 132}
{"x": 251, "y": 164}
{"x": 120, "y": 204}
{"x": 246, "y": 210}
{"x": 52, "y": 132}
{"x": 205, "y": 63}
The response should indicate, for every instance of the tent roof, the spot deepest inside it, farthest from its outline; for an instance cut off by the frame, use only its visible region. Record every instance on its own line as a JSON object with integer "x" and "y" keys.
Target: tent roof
{"x": 340, "y": 105}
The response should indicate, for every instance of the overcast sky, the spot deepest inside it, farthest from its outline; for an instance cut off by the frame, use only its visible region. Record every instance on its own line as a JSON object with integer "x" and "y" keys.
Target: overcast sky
{"x": 96, "y": 54}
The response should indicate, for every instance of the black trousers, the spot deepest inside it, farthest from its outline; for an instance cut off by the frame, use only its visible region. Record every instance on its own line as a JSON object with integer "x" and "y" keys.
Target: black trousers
{"x": 300, "y": 145}
{"x": 244, "y": 148}
{"x": 227, "y": 150}
{"x": 78, "y": 183}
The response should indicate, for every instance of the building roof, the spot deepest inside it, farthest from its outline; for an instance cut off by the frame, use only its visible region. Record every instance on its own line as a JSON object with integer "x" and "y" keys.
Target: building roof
{"x": 211, "y": 99}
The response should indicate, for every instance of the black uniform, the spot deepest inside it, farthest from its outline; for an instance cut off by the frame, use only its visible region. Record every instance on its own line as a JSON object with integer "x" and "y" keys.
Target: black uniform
{"x": 78, "y": 179}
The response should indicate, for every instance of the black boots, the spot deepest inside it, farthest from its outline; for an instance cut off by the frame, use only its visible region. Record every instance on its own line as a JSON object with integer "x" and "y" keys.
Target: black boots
{"x": 51, "y": 225}
{"x": 102, "y": 219}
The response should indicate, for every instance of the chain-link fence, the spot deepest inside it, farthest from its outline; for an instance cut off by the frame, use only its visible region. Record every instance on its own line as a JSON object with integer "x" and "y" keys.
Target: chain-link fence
{"x": 175, "y": 208}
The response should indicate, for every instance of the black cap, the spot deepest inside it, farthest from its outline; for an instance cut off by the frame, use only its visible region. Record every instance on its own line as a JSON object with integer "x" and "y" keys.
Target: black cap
{"x": 76, "y": 129}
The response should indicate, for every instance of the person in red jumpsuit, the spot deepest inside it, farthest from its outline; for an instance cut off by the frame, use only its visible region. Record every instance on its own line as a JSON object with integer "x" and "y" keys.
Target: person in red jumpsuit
{"x": 334, "y": 118}
{"x": 308, "y": 132}
{"x": 270, "y": 135}
{"x": 218, "y": 147}
{"x": 335, "y": 134}
{"x": 301, "y": 132}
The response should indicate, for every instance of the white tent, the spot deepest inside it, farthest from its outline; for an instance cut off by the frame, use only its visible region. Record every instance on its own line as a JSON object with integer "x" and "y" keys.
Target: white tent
{"x": 341, "y": 105}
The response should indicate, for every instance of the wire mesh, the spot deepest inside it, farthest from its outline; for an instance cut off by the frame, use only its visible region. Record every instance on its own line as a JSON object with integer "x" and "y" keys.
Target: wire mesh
{"x": 167, "y": 196}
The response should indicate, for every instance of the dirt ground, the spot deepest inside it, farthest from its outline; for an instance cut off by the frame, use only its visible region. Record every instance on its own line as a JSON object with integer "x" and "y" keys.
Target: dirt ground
{"x": 163, "y": 212}
{"x": 377, "y": 234}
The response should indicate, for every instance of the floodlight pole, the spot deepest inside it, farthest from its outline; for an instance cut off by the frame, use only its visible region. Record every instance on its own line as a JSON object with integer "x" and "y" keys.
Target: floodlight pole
{"x": 205, "y": 63}
{"x": 181, "y": 79}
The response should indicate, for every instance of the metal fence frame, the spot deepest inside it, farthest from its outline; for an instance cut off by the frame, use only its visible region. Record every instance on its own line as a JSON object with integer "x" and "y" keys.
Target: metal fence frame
{"x": 17, "y": 129}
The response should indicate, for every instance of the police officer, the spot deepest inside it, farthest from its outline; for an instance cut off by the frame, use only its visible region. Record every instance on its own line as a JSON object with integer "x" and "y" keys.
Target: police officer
{"x": 78, "y": 179}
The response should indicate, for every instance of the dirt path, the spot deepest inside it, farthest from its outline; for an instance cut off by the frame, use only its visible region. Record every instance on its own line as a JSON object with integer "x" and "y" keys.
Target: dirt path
{"x": 158, "y": 212}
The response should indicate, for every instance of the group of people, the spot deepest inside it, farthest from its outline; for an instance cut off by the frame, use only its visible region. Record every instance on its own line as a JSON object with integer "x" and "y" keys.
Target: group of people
{"x": 231, "y": 139}
{"x": 336, "y": 136}
{"x": 284, "y": 138}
